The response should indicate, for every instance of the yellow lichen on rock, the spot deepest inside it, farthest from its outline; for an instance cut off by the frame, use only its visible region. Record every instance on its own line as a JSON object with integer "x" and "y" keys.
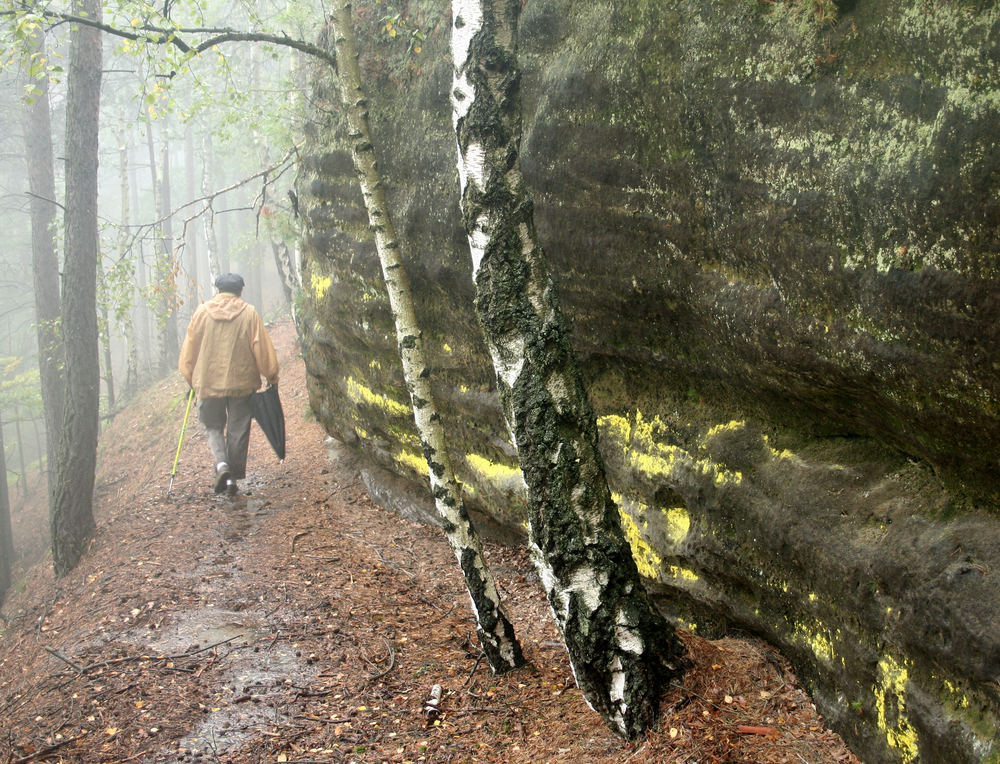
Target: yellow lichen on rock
{"x": 646, "y": 559}
{"x": 890, "y": 695}
{"x": 359, "y": 393}
{"x": 320, "y": 285}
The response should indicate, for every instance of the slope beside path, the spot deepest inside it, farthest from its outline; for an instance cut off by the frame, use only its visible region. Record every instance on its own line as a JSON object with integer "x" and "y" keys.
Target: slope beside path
{"x": 299, "y": 622}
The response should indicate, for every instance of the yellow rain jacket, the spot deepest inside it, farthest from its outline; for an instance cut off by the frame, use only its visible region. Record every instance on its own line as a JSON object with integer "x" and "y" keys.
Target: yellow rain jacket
{"x": 226, "y": 349}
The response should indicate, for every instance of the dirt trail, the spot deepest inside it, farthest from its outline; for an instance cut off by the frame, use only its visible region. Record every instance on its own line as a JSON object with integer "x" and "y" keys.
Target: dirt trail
{"x": 298, "y": 622}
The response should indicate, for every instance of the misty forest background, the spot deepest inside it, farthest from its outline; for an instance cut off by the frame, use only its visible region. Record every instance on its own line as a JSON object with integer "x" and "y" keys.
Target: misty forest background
{"x": 195, "y": 163}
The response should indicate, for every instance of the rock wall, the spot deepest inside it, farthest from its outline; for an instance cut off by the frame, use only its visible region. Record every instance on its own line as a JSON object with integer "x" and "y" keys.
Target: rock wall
{"x": 776, "y": 228}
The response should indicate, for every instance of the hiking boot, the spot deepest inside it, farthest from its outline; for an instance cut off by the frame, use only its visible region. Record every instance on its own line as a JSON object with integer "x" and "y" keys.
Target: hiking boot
{"x": 221, "y": 477}
{"x": 231, "y": 487}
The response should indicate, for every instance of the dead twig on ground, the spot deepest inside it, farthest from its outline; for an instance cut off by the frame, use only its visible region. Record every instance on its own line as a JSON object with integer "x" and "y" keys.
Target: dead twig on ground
{"x": 76, "y": 666}
{"x": 43, "y": 752}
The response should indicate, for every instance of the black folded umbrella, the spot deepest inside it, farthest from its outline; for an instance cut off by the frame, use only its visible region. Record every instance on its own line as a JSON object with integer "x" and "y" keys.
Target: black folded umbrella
{"x": 269, "y": 415}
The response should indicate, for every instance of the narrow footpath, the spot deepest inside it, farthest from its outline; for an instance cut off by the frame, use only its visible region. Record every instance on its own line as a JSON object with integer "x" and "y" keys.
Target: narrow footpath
{"x": 299, "y": 622}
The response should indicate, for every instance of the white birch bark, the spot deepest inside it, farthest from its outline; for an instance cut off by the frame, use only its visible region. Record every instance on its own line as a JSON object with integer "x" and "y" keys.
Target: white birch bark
{"x": 621, "y": 650}
{"x": 496, "y": 633}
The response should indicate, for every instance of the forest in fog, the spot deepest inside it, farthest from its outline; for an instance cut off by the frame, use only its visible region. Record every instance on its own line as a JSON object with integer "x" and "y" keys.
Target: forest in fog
{"x": 194, "y": 172}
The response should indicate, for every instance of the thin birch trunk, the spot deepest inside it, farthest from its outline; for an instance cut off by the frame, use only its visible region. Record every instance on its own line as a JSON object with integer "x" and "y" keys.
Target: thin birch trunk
{"x": 496, "y": 633}
{"x": 125, "y": 317}
{"x": 104, "y": 331}
{"x": 621, "y": 650}
{"x": 211, "y": 244}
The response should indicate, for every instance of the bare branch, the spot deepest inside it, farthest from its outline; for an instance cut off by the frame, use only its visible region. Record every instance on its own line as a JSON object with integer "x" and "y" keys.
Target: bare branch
{"x": 153, "y": 35}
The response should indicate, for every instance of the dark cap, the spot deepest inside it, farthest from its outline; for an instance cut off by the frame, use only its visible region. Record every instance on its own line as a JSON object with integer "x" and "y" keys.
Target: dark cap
{"x": 230, "y": 282}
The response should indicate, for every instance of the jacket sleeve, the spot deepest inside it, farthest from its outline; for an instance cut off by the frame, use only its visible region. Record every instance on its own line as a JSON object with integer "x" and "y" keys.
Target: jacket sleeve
{"x": 190, "y": 348}
{"x": 263, "y": 351}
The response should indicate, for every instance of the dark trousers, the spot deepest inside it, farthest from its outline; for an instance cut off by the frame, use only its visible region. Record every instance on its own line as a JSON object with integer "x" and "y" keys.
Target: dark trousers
{"x": 227, "y": 425}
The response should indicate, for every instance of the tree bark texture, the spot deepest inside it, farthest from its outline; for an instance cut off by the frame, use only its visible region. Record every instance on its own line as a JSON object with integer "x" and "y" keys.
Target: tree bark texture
{"x": 45, "y": 261}
{"x": 72, "y": 518}
{"x": 621, "y": 650}
{"x": 496, "y": 634}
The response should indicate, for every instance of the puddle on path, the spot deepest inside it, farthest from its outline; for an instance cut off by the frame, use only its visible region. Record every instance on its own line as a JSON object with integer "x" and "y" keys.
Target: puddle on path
{"x": 259, "y": 674}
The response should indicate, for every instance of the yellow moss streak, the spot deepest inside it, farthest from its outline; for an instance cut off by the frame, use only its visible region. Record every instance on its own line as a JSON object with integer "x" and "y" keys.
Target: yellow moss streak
{"x": 654, "y": 459}
{"x": 649, "y": 563}
{"x": 646, "y": 560}
{"x": 502, "y": 476}
{"x": 816, "y": 639}
{"x": 320, "y": 284}
{"x": 890, "y": 695}
{"x": 414, "y": 461}
{"x": 678, "y": 523}
{"x": 731, "y": 425}
{"x": 361, "y": 394}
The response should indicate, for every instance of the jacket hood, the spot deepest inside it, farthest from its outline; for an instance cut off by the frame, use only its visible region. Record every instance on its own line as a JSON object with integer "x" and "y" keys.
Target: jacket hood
{"x": 225, "y": 306}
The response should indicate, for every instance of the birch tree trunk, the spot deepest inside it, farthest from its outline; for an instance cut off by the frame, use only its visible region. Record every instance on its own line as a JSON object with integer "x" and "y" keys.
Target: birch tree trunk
{"x": 125, "y": 317}
{"x": 621, "y": 650}
{"x": 211, "y": 245}
{"x": 45, "y": 260}
{"x": 496, "y": 634}
{"x": 72, "y": 516}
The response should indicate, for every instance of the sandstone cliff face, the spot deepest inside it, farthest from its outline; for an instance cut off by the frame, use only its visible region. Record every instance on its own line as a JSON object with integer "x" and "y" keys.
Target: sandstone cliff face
{"x": 776, "y": 228}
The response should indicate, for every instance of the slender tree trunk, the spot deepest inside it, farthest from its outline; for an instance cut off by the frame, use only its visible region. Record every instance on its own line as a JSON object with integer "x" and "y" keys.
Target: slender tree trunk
{"x": 22, "y": 480}
{"x": 190, "y": 234}
{"x": 45, "y": 262}
{"x": 104, "y": 331}
{"x": 283, "y": 261}
{"x": 496, "y": 634}
{"x": 125, "y": 314}
{"x": 211, "y": 244}
{"x": 621, "y": 650}
{"x": 72, "y": 517}
{"x": 6, "y": 534}
{"x": 166, "y": 270}
{"x": 141, "y": 314}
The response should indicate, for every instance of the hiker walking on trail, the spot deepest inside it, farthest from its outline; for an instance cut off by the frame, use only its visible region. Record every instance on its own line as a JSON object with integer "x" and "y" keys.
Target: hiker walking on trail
{"x": 225, "y": 353}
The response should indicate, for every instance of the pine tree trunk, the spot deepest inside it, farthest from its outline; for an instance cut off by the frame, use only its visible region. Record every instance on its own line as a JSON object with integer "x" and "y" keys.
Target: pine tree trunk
{"x": 45, "y": 262}
{"x": 496, "y": 634}
{"x": 621, "y": 650}
{"x": 72, "y": 517}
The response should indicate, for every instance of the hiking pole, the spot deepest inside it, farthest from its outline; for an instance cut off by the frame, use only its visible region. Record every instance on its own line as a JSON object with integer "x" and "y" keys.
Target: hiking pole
{"x": 177, "y": 456}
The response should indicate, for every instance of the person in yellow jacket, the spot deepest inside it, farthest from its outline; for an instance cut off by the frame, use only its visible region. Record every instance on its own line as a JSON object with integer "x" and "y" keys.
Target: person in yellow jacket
{"x": 225, "y": 353}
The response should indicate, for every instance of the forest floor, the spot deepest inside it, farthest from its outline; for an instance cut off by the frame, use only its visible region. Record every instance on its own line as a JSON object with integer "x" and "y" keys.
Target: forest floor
{"x": 299, "y": 622}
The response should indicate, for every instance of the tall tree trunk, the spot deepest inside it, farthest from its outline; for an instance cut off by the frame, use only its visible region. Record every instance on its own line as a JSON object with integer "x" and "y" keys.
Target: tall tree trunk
{"x": 22, "y": 480}
{"x": 45, "y": 261}
{"x": 496, "y": 634}
{"x": 6, "y": 534}
{"x": 126, "y": 313}
{"x": 290, "y": 280}
{"x": 621, "y": 650}
{"x": 141, "y": 314}
{"x": 190, "y": 233}
{"x": 211, "y": 244}
{"x": 72, "y": 517}
{"x": 104, "y": 331}
{"x": 166, "y": 269}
